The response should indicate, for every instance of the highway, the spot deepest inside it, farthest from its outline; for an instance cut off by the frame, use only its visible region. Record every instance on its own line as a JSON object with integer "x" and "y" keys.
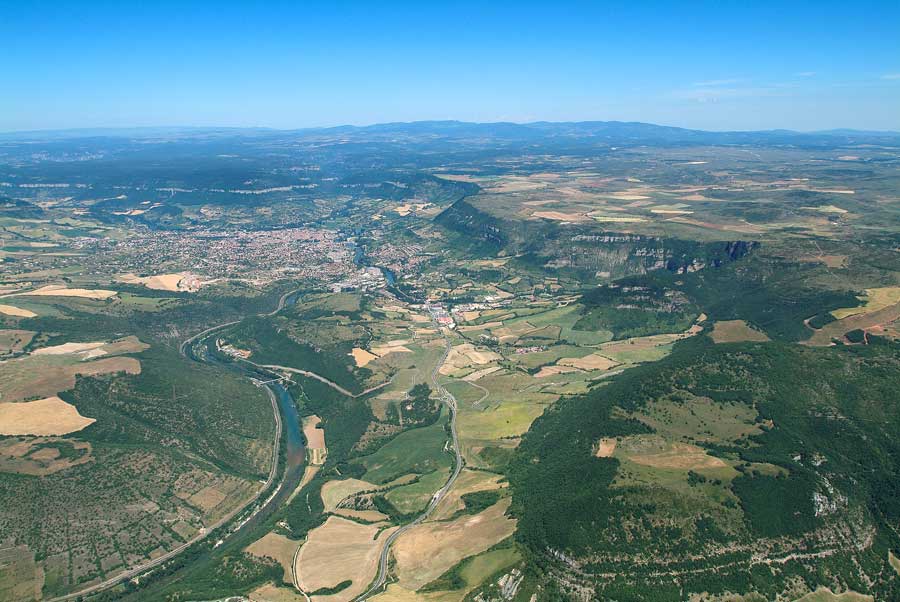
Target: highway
{"x": 186, "y": 349}
{"x": 450, "y": 402}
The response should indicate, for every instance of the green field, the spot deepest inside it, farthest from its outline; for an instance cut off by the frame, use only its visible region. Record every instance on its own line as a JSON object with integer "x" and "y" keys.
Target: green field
{"x": 664, "y": 467}
{"x": 409, "y": 499}
{"x": 420, "y": 451}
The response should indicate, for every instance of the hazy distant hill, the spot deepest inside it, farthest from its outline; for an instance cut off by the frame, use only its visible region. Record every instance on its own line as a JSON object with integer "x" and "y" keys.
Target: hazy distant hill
{"x": 612, "y": 131}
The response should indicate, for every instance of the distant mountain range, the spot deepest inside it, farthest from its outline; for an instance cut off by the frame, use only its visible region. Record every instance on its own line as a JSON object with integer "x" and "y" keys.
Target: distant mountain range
{"x": 607, "y": 131}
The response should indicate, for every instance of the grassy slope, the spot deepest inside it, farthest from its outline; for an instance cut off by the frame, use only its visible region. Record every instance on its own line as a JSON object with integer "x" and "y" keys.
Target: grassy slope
{"x": 831, "y": 402}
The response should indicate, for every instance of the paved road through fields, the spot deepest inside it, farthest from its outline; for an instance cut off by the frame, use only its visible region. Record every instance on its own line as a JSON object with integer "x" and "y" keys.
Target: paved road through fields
{"x": 450, "y": 401}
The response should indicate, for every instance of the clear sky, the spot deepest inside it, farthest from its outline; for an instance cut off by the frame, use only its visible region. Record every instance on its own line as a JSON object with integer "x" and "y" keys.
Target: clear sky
{"x": 710, "y": 65}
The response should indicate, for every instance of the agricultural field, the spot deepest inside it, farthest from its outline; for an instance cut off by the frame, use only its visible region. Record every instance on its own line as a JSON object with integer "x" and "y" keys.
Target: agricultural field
{"x": 325, "y": 560}
{"x": 279, "y": 548}
{"x": 735, "y": 331}
{"x": 14, "y": 342}
{"x": 418, "y": 450}
{"x": 96, "y": 432}
{"x": 671, "y": 366}
{"x": 426, "y": 552}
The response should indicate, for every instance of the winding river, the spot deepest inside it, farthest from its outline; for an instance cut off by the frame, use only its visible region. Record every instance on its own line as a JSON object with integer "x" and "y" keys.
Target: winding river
{"x": 279, "y": 486}
{"x": 291, "y": 429}
{"x": 272, "y": 496}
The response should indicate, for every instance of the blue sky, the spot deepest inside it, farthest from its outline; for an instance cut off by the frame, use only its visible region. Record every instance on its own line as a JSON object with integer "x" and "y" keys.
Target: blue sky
{"x": 710, "y": 65}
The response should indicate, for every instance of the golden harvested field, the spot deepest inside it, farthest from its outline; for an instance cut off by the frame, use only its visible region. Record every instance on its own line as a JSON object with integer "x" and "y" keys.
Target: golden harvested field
{"x": 515, "y": 184}
{"x": 335, "y": 491}
{"x": 315, "y": 440}
{"x": 12, "y": 310}
{"x": 129, "y": 344}
{"x": 161, "y": 282}
{"x": 558, "y": 216}
{"x": 514, "y": 331}
{"x": 86, "y": 351}
{"x": 277, "y": 547}
{"x": 427, "y": 551}
{"x": 362, "y": 357}
{"x": 671, "y": 211}
{"x": 593, "y": 361}
{"x": 309, "y": 473}
{"x": 338, "y": 550}
{"x": 479, "y": 374}
{"x": 315, "y": 436}
{"x": 465, "y": 355}
{"x": 605, "y": 448}
{"x": 468, "y": 481}
{"x": 46, "y": 375}
{"x": 874, "y": 300}
{"x": 398, "y": 346}
{"x": 741, "y": 227}
{"x": 53, "y": 290}
{"x": 828, "y": 209}
{"x": 617, "y": 219}
{"x": 546, "y": 371}
{"x": 864, "y": 321}
{"x": 636, "y": 344}
{"x": 395, "y": 593}
{"x": 735, "y": 331}
{"x": 48, "y": 416}
{"x": 649, "y": 342}
{"x": 67, "y": 348}
{"x": 485, "y": 326}
{"x": 679, "y": 456}
{"x": 626, "y": 196}
{"x": 38, "y": 457}
{"x": 272, "y": 593}
{"x": 459, "y": 177}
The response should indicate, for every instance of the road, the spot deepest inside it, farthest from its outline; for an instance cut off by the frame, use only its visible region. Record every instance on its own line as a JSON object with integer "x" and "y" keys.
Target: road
{"x": 381, "y": 579}
{"x": 322, "y": 379}
{"x": 203, "y": 534}
{"x": 190, "y": 340}
{"x": 450, "y": 401}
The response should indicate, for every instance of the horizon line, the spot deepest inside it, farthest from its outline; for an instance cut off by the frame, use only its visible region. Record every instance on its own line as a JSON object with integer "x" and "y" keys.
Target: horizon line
{"x": 123, "y": 128}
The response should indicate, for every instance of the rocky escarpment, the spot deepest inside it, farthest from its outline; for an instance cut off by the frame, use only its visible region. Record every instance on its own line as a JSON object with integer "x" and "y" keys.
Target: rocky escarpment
{"x": 477, "y": 227}
{"x": 586, "y": 249}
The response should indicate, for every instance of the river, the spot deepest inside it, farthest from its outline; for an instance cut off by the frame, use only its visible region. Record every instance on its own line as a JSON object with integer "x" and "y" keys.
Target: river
{"x": 292, "y": 438}
{"x": 291, "y": 449}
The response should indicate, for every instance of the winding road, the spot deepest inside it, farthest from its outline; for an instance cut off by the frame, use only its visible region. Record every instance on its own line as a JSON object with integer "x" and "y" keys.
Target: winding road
{"x": 450, "y": 401}
{"x": 186, "y": 350}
